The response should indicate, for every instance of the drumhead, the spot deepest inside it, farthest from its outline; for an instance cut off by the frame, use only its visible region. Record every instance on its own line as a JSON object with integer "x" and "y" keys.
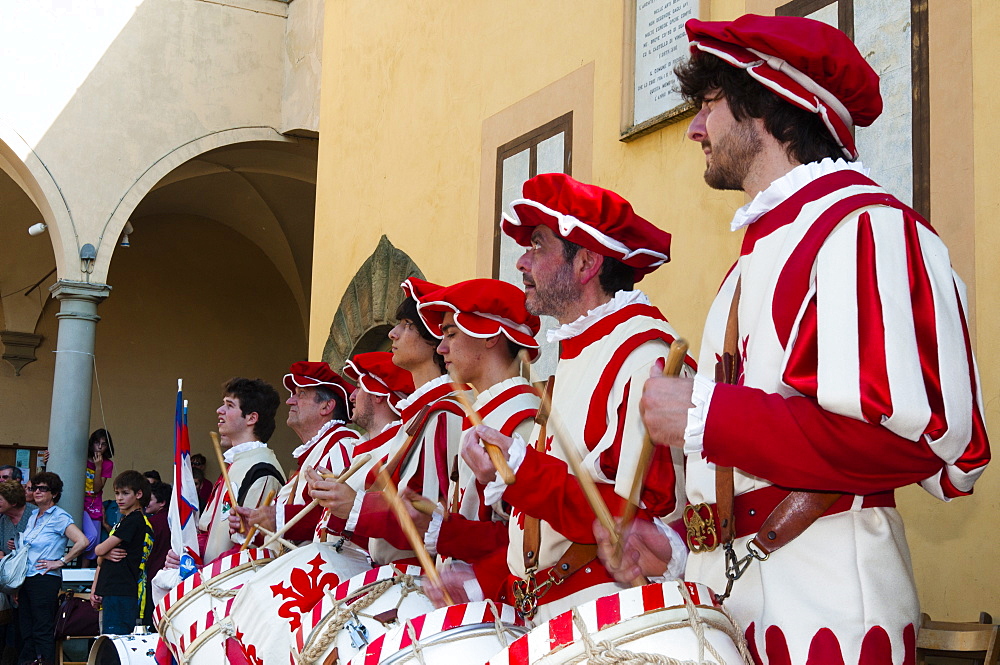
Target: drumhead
{"x": 123, "y": 650}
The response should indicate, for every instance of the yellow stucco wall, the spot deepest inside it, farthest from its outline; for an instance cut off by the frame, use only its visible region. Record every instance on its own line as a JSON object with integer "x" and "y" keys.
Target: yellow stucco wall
{"x": 410, "y": 87}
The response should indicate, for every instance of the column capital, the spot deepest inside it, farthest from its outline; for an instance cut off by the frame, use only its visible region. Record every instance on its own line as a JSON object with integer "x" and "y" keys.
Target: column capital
{"x": 66, "y": 289}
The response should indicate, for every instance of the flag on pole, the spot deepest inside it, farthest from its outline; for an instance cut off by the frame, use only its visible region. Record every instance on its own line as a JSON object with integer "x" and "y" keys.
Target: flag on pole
{"x": 183, "y": 514}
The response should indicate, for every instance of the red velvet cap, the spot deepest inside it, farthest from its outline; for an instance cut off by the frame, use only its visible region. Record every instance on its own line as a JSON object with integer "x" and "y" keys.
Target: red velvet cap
{"x": 375, "y": 373}
{"x": 309, "y": 374}
{"x": 483, "y": 308}
{"x": 805, "y": 62}
{"x": 416, "y": 288}
{"x": 590, "y": 216}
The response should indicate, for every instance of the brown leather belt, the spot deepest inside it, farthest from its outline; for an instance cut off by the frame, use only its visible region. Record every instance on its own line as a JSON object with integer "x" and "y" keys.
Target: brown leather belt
{"x": 752, "y": 509}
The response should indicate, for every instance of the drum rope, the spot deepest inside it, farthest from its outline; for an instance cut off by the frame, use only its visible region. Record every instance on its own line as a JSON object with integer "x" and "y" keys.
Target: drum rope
{"x": 606, "y": 652}
{"x": 503, "y": 634}
{"x": 330, "y": 625}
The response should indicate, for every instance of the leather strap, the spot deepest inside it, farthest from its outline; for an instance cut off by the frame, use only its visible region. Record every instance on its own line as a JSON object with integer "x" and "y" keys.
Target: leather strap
{"x": 797, "y": 511}
{"x": 532, "y": 531}
{"x": 573, "y": 559}
{"x": 727, "y": 370}
{"x": 411, "y": 433}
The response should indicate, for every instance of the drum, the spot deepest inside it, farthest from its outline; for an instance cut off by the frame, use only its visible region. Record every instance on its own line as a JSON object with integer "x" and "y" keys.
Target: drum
{"x": 204, "y": 598}
{"x": 676, "y": 619}
{"x": 466, "y": 633}
{"x": 123, "y": 650}
{"x": 269, "y": 608}
{"x": 359, "y": 611}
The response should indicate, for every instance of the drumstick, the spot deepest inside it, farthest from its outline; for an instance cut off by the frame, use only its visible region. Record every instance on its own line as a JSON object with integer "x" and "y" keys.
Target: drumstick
{"x": 496, "y": 455}
{"x": 587, "y": 484}
{"x": 355, "y": 465}
{"x": 253, "y": 529}
{"x": 411, "y": 431}
{"x": 225, "y": 476}
{"x": 675, "y": 361}
{"x": 416, "y": 541}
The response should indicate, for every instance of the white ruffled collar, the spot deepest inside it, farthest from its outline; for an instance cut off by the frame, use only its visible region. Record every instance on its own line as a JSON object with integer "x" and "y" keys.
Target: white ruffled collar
{"x": 620, "y": 300}
{"x": 483, "y": 398}
{"x": 230, "y": 454}
{"x": 307, "y": 446}
{"x": 423, "y": 390}
{"x": 779, "y": 190}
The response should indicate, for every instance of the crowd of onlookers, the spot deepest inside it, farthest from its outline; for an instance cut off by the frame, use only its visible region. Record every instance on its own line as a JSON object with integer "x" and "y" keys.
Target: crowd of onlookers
{"x": 127, "y": 538}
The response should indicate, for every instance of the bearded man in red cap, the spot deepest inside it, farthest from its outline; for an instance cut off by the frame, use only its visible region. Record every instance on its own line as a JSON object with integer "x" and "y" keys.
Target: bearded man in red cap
{"x": 586, "y": 248}
{"x": 846, "y": 368}
{"x": 318, "y": 411}
{"x": 420, "y": 454}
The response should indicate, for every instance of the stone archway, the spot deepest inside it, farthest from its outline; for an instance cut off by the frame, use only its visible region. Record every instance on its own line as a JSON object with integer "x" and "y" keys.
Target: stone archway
{"x": 368, "y": 306}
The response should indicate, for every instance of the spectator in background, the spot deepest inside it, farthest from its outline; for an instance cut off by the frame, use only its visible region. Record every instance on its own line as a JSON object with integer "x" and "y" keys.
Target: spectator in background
{"x": 152, "y": 476}
{"x": 203, "y": 484}
{"x": 14, "y": 514}
{"x": 156, "y": 513}
{"x": 46, "y": 535}
{"x": 99, "y": 468}
{"x": 8, "y": 472}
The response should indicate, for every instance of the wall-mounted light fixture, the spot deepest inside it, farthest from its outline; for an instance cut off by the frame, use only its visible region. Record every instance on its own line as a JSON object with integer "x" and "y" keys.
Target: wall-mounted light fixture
{"x": 37, "y": 229}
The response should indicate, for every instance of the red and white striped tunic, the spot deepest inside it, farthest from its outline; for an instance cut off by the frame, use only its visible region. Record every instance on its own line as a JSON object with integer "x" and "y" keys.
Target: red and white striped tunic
{"x": 508, "y": 407}
{"x": 858, "y": 377}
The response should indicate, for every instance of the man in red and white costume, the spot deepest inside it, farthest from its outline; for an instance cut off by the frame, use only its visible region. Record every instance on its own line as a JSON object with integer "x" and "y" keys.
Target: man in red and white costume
{"x": 855, "y": 373}
{"x": 381, "y": 387}
{"x": 483, "y": 325}
{"x": 586, "y": 248}
{"x": 422, "y": 452}
{"x": 318, "y": 410}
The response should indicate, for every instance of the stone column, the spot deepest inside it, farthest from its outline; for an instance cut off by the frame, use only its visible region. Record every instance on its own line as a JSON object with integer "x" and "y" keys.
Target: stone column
{"x": 69, "y": 421}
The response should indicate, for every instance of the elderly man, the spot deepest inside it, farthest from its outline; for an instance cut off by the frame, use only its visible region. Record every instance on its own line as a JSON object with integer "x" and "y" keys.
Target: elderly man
{"x": 318, "y": 411}
{"x": 845, "y": 364}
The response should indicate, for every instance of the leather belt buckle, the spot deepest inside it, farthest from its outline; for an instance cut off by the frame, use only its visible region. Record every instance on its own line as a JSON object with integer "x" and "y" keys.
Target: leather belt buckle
{"x": 702, "y": 534}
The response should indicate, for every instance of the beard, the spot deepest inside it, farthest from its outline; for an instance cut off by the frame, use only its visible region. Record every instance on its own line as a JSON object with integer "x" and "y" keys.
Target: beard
{"x": 555, "y": 295}
{"x": 733, "y": 156}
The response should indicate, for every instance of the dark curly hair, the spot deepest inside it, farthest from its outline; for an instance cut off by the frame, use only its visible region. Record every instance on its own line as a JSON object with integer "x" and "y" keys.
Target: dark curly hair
{"x": 805, "y": 137}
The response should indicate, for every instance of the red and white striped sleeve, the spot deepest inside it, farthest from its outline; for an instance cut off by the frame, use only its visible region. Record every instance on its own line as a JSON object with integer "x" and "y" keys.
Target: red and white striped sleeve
{"x": 880, "y": 350}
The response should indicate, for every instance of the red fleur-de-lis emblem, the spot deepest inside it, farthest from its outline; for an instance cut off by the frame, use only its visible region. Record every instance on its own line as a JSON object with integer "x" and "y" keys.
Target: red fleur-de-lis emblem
{"x": 305, "y": 591}
{"x": 519, "y": 516}
{"x": 548, "y": 443}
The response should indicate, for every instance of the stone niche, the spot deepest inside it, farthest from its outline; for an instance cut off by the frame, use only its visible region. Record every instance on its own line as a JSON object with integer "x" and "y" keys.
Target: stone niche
{"x": 368, "y": 307}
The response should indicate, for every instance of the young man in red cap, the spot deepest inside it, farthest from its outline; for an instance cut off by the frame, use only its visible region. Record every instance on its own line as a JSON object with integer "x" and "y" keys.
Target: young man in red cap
{"x": 421, "y": 453}
{"x": 586, "y": 248}
{"x": 246, "y": 422}
{"x": 851, "y": 373}
{"x": 318, "y": 411}
{"x": 483, "y": 326}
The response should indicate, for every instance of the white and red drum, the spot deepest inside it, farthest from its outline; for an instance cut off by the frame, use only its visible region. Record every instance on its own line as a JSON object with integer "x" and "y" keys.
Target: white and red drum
{"x": 269, "y": 608}
{"x": 466, "y": 633}
{"x": 653, "y": 619}
{"x": 357, "y": 612}
{"x": 123, "y": 650}
{"x": 204, "y": 598}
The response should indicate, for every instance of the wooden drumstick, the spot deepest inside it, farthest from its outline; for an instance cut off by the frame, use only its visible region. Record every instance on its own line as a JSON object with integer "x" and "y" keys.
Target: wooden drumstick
{"x": 225, "y": 475}
{"x": 675, "y": 361}
{"x": 412, "y": 535}
{"x": 253, "y": 529}
{"x": 354, "y": 468}
{"x": 355, "y": 465}
{"x": 496, "y": 455}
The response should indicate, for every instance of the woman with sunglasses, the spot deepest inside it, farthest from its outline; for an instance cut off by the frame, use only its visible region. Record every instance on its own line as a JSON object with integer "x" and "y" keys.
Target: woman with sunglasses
{"x": 46, "y": 535}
